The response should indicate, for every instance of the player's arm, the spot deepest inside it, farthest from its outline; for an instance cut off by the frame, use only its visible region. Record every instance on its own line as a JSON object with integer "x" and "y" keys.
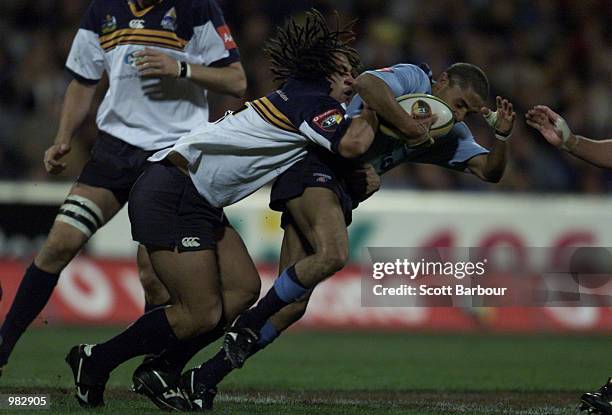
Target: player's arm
{"x": 359, "y": 135}
{"x": 490, "y": 167}
{"x": 556, "y": 131}
{"x": 380, "y": 98}
{"x": 229, "y": 79}
{"x": 78, "y": 99}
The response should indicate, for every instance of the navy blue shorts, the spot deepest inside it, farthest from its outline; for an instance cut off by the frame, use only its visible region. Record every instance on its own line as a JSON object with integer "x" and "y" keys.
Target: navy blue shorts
{"x": 166, "y": 211}
{"x": 316, "y": 170}
{"x": 114, "y": 165}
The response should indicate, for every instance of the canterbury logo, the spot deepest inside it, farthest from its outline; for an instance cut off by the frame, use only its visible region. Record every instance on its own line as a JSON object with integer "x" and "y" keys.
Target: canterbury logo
{"x": 190, "y": 242}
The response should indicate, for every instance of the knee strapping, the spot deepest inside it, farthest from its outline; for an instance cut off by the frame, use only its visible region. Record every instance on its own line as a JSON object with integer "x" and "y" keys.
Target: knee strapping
{"x": 81, "y": 213}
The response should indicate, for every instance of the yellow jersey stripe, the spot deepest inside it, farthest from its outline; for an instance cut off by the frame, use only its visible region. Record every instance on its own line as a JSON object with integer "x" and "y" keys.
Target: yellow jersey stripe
{"x": 150, "y": 39}
{"x": 270, "y": 116}
{"x": 142, "y": 32}
{"x": 270, "y": 106}
{"x": 257, "y": 107}
{"x": 144, "y": 43}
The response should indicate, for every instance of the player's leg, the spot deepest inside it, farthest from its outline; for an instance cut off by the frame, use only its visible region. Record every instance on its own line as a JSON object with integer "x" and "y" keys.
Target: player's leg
{"x": 85, "y": 209}
{"x": 178, "y": 227}
{"x": 319, "y": 216}
{"x": 240, "y": 286}
{"x": 214, "y": 370}
{"x": 156, "y": 294}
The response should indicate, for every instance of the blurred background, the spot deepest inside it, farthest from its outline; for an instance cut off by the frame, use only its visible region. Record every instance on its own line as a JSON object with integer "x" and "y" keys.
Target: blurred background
{"x": 553, "y": 52}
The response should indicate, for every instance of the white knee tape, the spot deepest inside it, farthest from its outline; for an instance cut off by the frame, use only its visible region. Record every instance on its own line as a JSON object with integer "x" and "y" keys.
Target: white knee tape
{"x": 81, "y": 213}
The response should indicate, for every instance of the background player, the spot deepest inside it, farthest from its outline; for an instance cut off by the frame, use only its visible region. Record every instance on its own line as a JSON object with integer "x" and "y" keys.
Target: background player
{"x": 599, "y": 153}
{"x": 160, "y": 56}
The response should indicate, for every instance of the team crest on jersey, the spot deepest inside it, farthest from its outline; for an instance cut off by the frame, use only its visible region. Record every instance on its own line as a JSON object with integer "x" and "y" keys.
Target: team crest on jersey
{"x": 137, "y": 24}
{"x": 169, "y": 20}
{"x": 110, "y": 24}
{"x": 329, "y": 120}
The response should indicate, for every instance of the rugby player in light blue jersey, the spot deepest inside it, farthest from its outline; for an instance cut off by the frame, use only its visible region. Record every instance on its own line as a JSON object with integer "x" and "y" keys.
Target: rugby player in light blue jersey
{"x": 302, "y": 195}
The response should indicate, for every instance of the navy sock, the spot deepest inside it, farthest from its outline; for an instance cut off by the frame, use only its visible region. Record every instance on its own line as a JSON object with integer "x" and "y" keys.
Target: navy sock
{"x": 150, "y": 334}
{"x": 177, "y": 356}
{"x": 286, "y": 290}
{"x": 214, "y": 370}
{"x": 218, "y": 367}
{"x": 33, "y": 294}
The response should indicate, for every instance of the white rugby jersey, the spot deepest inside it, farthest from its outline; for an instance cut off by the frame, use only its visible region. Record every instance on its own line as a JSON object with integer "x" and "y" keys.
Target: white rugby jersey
{"x": 150, "y": 113}
{"x": 232, "y": 158}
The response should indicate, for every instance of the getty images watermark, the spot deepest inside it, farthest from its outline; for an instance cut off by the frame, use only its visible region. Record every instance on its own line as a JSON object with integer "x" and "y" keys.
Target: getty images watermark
{"x": 488, "y": 277}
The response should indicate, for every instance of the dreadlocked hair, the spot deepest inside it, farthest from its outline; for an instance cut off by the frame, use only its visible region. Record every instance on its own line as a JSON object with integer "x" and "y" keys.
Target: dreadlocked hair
{"x": 309, "y": 50}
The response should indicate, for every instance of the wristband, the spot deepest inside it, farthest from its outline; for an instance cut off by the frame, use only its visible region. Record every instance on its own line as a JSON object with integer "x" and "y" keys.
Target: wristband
{"x": 183, "y": 70}
{"x": 491, "y": 119}
{"x": 503, "y": 136}
{"x": 563, "y": 128}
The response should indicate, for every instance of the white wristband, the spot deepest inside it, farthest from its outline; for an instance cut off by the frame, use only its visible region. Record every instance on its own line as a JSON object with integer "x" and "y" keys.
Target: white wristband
{"x": 563, "y": 128}
{"x": 188, "y": 71}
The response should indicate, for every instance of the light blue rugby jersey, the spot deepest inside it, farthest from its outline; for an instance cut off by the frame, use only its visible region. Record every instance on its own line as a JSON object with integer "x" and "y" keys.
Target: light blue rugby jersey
{"x": 452, "y": 150}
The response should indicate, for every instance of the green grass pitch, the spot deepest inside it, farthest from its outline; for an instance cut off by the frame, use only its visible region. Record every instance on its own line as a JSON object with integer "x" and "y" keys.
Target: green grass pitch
{"x": 351, "y": 373}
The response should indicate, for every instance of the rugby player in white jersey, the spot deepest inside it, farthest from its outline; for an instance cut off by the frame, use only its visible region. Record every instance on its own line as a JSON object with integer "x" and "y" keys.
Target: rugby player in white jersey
{"x": 317, "y": 194}
{"x": 160, "y": 58}
{"x": 176, "y": 206}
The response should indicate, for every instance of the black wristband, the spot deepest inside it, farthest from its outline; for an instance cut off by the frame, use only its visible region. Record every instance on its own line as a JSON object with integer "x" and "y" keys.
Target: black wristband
{"x": 183, "y": 71}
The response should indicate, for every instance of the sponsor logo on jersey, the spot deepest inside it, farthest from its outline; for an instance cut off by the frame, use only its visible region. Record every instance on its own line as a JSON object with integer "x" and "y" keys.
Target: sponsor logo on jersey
{"x": 329, "y": 120}
{"x": 110, "y": 24}
{"x": 131, "y": 59}
{"x": 169, "y": 20}
{"x": 190, "y": 242}
{"x": 137, "y": 23}
{"x": 226, "y": 36}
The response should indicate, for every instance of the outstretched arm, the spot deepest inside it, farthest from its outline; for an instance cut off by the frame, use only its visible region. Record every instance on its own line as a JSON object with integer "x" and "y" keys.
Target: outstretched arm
{"x": 490, "y": 167}
{"x": 556, "y": 131}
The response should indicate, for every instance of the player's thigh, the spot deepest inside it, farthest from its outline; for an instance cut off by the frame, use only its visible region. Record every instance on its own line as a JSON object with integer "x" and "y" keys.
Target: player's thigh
{"x": 192, "y": 279}
{"x": 319, "y": 217}
{"x": 239, "y": 277}
{"x": 85, "y": 209}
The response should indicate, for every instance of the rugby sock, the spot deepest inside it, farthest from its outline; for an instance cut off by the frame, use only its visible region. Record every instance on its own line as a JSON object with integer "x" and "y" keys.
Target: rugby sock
{"x": 286, "y": 290}
{"x": 177, "y": 356}
{"x": 218, "y": 367}
{"x": 151, "y": 333}
{"x": 33, "y": 294}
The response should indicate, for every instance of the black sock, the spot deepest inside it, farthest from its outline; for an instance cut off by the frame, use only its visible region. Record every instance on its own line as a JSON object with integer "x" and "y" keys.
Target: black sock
{"x": 149, "y": 307}
{"x": 177, "y": 356}
{"x": 214, "y": 370}
{"x": 150, "y": 334}
{"x": 33, "y": 294}
{"x": 286, "y": 289}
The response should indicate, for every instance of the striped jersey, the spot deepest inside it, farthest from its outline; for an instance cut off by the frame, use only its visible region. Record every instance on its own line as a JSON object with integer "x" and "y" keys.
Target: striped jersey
{"x": 150, "y": 113}
{"x": 233, "y": 157}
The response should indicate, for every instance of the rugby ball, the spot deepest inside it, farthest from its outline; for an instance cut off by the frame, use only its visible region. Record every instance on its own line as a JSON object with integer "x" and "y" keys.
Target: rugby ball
{"x": 421, "y": 105}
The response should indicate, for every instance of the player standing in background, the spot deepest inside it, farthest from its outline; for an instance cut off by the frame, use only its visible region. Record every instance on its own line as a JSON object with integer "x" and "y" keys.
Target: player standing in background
{"x": 599, "y": 153}
{"x": 160, "y": 56}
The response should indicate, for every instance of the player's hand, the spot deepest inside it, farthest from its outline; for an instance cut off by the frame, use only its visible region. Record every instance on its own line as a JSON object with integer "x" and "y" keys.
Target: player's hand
{"x": 417, "y": 132}
{"x": 502, "y": 119}
{"x": 363, "y": 182}
{"x": 154, "y": 64}
{"x": 551, "y": 125}
{"x": 52, "y": 158}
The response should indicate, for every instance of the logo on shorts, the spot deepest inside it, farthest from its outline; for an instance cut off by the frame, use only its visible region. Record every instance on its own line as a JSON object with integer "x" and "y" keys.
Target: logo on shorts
{"x": 322, "y": 178}
{"x": 329, "y": 120}
{"x": 190, "y": 242}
